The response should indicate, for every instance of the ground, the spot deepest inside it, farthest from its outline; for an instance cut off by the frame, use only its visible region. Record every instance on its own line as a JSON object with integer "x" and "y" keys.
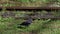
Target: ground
{"x": 9, "y": 26}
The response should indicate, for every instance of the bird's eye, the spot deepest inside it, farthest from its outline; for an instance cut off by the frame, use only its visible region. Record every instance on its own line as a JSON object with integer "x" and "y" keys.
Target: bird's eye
{"x": 34, "y": 19}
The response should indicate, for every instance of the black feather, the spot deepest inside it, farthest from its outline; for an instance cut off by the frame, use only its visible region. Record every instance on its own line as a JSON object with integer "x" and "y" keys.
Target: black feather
{"x": 26, "y": 23}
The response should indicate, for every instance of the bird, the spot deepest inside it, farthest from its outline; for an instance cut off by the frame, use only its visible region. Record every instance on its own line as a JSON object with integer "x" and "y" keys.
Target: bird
{"x": 25, "y": 23}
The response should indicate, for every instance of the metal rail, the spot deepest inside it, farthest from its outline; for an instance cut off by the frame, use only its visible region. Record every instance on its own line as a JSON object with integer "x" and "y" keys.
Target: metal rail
{"x": 30, "y": 8}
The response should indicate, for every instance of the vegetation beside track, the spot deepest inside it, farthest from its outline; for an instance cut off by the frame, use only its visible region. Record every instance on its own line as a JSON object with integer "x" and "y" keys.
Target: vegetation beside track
{"x": 9, "y": 25}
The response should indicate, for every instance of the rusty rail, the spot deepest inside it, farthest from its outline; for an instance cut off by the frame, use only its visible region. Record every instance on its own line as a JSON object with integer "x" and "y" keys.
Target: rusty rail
{"x": 30, "y": 8}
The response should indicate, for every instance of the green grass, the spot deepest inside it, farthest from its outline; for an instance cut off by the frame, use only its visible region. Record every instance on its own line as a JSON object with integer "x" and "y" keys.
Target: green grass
{"x": 52, "y": 28}
{"x": 9, "y": 25}
{"x": 41, "y": 26}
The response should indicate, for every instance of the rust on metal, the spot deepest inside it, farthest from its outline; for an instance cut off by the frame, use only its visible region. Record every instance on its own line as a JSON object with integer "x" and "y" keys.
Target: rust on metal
{"x": 47, "y": 8}
{"x": 29, "y": 8}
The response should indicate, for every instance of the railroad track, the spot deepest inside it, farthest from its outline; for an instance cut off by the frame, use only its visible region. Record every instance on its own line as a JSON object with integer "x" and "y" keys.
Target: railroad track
{"x": 29, "y": 8}
{"x": 35, "y": 8}
{"x": 47, "y": 8}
